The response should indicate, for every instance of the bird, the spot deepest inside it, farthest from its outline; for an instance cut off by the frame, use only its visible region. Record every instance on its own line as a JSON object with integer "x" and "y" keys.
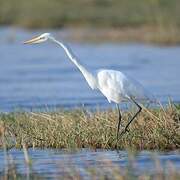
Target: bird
{"x": 116, "y": 86}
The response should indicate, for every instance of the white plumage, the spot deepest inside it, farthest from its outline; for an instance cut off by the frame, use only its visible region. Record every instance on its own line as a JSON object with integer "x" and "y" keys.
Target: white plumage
{"x": 118, "y": 87}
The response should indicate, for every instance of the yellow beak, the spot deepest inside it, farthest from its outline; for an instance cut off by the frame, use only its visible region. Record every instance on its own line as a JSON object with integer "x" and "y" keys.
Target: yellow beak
{"x": 32, "y": 41}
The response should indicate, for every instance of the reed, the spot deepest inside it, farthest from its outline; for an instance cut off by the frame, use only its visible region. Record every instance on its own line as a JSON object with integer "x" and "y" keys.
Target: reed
{"x": 153, "y": 129}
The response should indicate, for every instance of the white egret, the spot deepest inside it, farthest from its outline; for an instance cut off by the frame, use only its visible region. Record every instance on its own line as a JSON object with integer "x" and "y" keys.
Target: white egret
{"x": 114, "y": 85}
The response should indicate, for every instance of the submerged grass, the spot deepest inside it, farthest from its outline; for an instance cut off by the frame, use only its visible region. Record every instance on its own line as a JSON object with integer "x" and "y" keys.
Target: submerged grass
{"x": 153, "y": 129}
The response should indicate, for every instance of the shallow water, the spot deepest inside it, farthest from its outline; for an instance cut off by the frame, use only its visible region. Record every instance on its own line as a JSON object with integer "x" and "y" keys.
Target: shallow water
{"x": 34, "y": 77}
{"x": 51, "y": 163}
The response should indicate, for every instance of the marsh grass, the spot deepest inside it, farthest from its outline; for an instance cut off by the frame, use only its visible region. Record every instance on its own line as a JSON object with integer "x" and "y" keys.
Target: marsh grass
{"x": 153, "y": 129}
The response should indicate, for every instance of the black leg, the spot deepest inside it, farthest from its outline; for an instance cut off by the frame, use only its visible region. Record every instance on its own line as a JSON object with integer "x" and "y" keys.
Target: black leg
{"x": 139, "y": 110}
{"x": 119, "y": 121}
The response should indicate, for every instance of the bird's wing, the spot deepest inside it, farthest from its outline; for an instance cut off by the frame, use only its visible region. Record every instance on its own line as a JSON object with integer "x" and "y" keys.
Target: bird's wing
{"x": 127, "y": 86}
{"x": 136, "y": 90}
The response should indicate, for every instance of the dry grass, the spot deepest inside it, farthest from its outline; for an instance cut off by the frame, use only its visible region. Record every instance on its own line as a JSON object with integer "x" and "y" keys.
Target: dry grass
{"x": 153, "y": 129}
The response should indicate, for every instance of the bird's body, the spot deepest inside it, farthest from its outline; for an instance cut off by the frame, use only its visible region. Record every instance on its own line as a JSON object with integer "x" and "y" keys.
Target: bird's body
{"x": 118, "y": 87}
{"x": 111, "y": 85}
{"x": 114, "y": 85}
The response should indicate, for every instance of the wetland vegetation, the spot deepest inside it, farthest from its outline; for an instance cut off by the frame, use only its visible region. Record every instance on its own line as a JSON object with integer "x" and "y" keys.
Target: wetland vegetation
{"x": 153, "y": 129}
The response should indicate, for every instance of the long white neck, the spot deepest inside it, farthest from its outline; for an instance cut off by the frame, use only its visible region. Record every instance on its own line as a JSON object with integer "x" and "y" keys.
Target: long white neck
{"x": 92, "y": 81}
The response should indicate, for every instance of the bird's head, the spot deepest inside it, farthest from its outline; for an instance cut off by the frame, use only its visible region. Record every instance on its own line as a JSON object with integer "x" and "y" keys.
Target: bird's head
{"x": 42, "y": 38}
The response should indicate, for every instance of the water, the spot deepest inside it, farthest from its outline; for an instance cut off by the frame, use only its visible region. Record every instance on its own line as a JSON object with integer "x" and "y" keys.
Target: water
{"x": 51, "y": 163}
{"x": 41, "y": 76}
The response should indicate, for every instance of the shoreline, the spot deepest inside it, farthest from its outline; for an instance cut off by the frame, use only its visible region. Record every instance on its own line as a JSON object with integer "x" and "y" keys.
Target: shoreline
{"x": 142, "y": 34}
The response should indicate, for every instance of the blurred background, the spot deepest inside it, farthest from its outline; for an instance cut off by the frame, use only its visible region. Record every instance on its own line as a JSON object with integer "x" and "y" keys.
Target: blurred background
{"x": 148, "y": 20}
{"x": 139, "y": 37}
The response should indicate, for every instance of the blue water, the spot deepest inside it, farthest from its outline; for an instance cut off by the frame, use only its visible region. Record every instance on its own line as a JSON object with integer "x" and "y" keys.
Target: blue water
{"x": 51, "y": 163}
{"x": 41, "y": 76}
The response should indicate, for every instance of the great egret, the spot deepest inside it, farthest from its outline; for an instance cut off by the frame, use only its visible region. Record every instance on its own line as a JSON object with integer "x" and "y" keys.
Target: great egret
{"x": 114, "y": 85}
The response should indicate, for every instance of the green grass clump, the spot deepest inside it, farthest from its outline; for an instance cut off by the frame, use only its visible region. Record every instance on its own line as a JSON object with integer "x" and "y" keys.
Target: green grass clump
{"x": 153, "y": 129}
